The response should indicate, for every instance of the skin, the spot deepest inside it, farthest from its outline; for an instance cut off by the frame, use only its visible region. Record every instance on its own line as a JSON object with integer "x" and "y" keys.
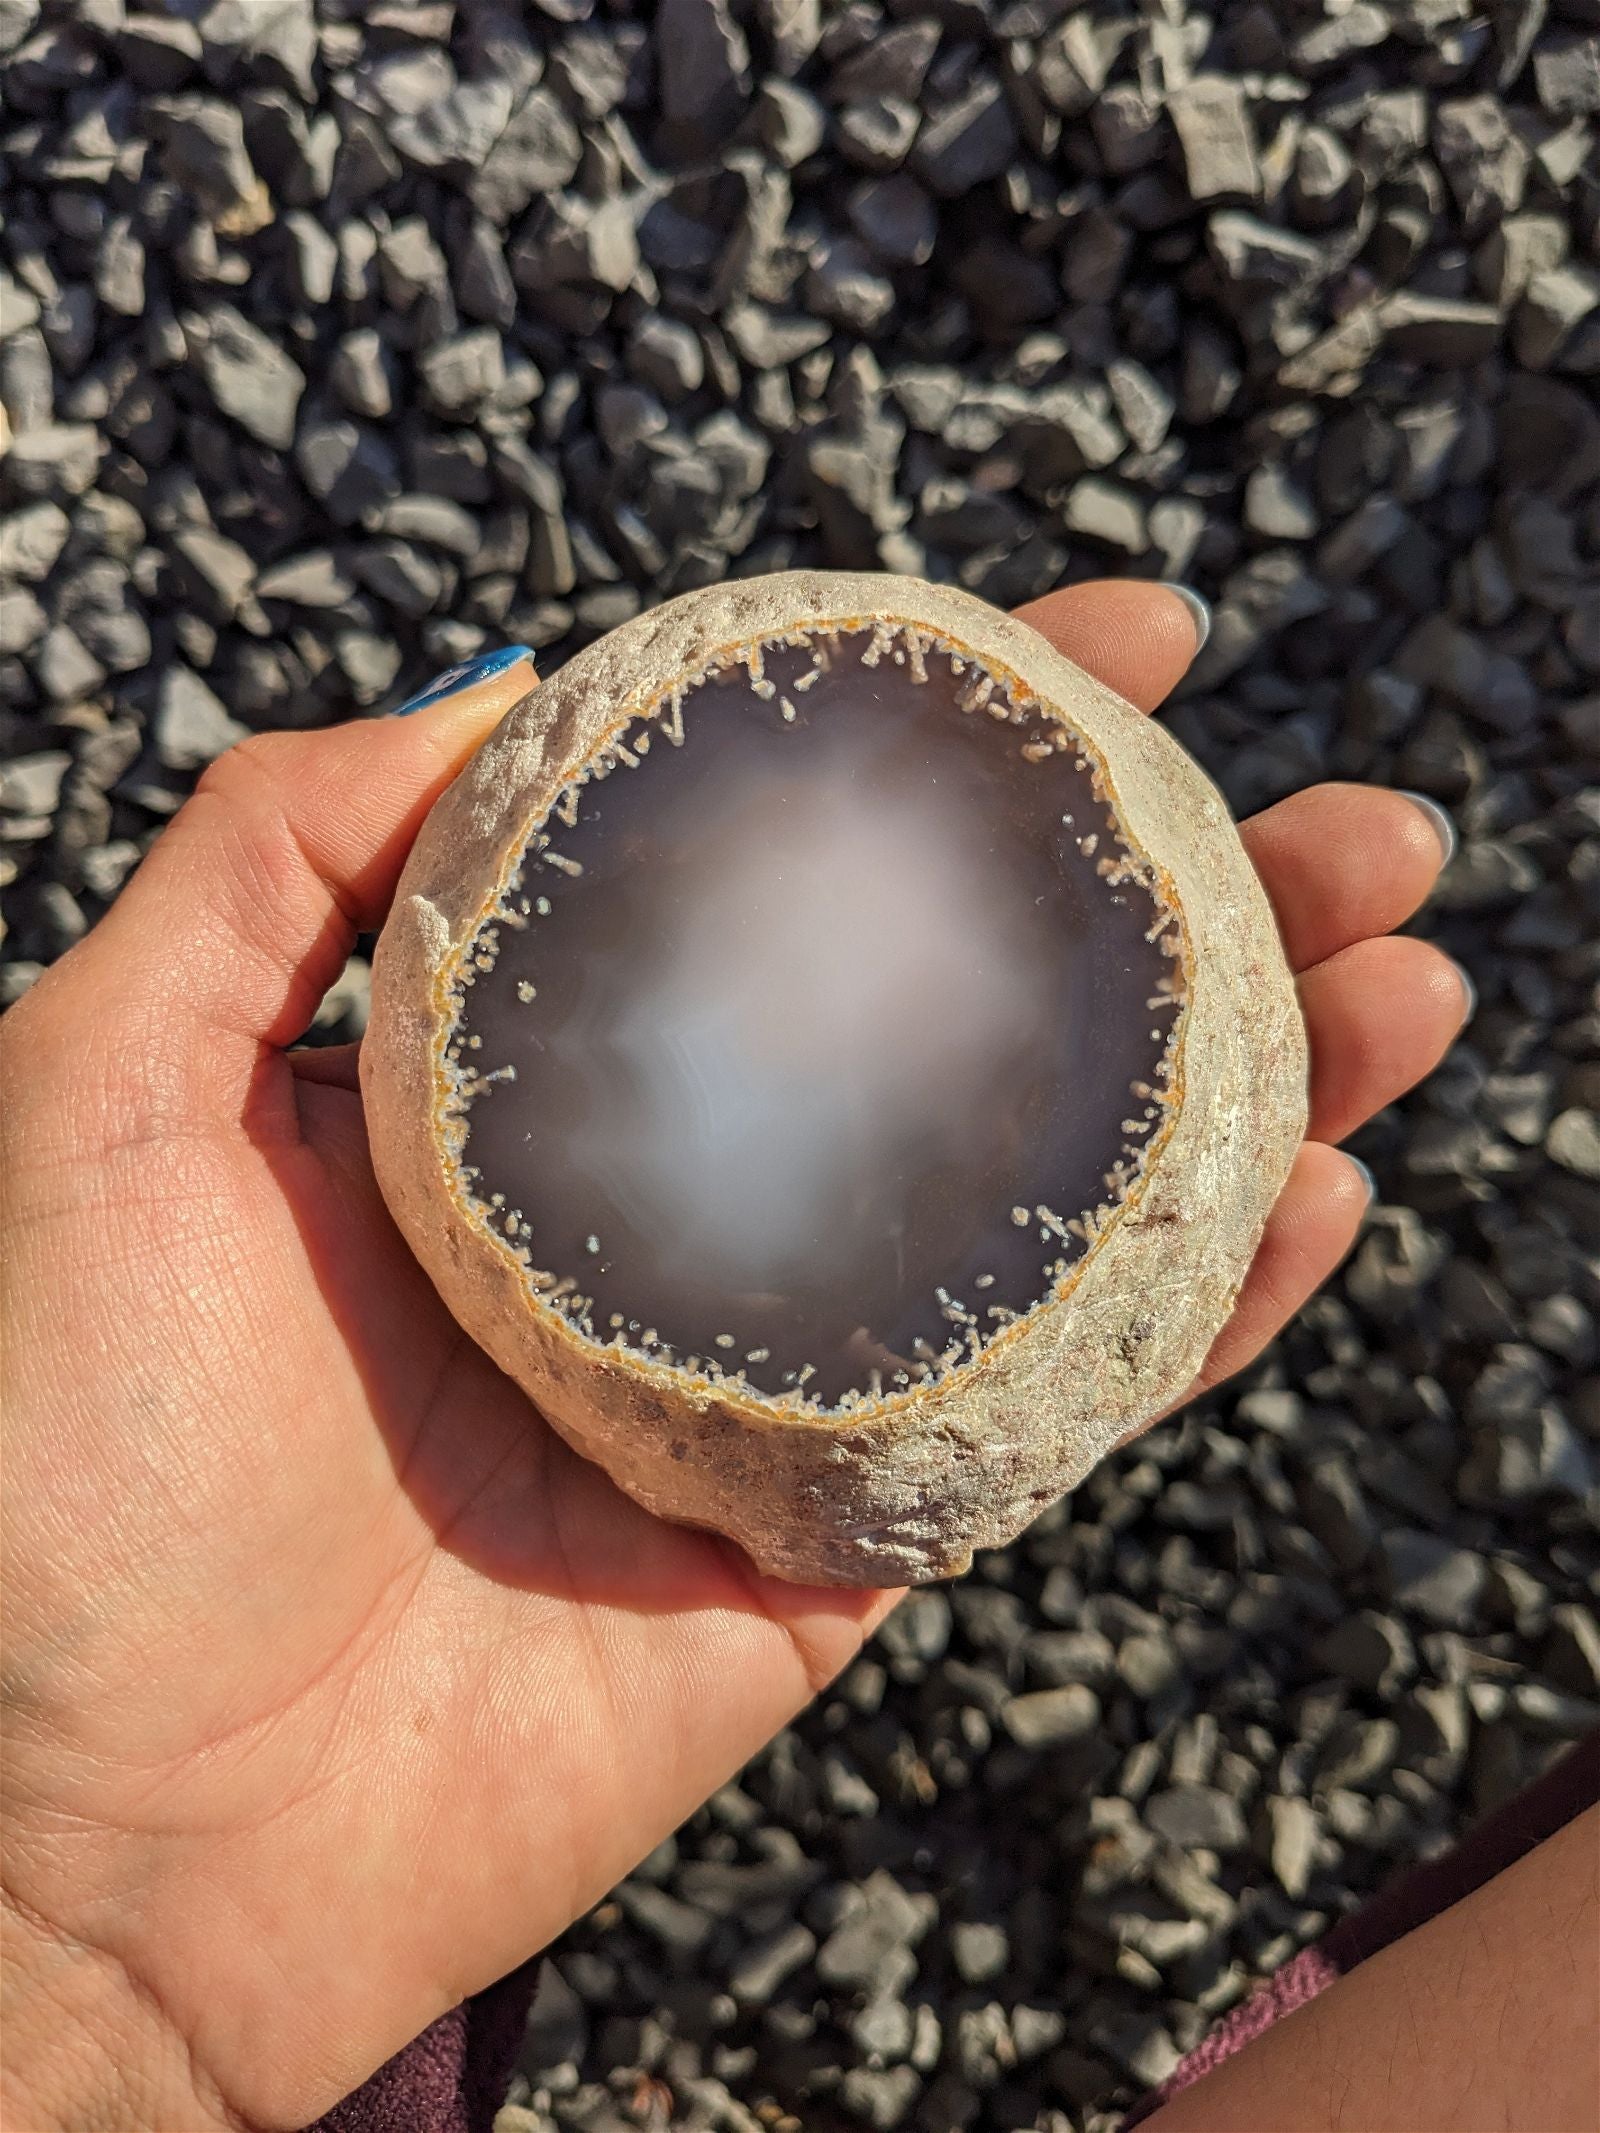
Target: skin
{"x": 318, "y": 1643}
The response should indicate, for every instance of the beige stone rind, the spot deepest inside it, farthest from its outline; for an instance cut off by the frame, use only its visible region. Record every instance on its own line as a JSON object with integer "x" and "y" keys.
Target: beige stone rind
{"x": 904, "y": 1491}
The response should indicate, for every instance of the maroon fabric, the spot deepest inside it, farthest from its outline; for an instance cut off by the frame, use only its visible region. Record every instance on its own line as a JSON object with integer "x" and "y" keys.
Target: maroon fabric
{"x": 1500, "y": 1840}
{"x": 451, "y": 2079}
{"x": 1300, "y": 1980}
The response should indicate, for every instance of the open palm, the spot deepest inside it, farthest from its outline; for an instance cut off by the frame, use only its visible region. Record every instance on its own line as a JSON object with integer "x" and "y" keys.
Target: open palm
{"x": 337, "y": 1684}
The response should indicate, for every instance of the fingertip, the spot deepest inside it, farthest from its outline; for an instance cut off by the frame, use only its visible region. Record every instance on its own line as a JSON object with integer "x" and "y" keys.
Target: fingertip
{"x": 1343, "y": 863}
{"x": 1199, "y": 609}
{"x": 467, "y": 674}
{"x": 1137, "y": 635}
{"x": 1380, "y": 1015}
{"x": 1421, "y": 836}
{"x": 1442, "y": 994}
{"x": 456, "y": 713}
{"x": 1364, "y": 1179}
{"x": 1438, "y": 821}
{"x": 1324, "y": 1203}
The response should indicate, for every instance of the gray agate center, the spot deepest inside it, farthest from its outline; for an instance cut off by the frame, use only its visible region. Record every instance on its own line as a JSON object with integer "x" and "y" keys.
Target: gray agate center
{"x": 826, "y": 1020}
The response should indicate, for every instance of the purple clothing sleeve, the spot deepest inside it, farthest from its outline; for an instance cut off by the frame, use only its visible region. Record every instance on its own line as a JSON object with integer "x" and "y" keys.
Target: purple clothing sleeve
{"x": 451, "y": 2079}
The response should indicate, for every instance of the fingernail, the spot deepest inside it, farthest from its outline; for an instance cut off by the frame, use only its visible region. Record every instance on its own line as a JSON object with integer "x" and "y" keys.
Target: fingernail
{"x": 1365, "y": 1175}
{"x": 1443, "y": 828}
{"x": 1469, "y": 992}
{"x": 465, "y": 674}
{"x": 1199, "y": 609}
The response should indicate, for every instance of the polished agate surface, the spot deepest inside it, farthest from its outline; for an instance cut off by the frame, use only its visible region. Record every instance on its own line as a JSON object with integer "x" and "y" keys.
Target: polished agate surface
{"x": 825, "y": 1022}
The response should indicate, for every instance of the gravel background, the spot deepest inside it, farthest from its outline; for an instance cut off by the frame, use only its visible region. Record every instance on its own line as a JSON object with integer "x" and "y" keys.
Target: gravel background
{"x": 336, "y": 343}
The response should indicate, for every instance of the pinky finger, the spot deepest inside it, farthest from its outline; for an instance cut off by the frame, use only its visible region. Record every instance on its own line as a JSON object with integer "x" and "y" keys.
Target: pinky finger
{"x": 1314, "y": 1224}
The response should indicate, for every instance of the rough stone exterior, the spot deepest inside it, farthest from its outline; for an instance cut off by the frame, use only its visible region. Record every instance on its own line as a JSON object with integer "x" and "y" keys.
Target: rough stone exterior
{"x": 904, "y": 1489}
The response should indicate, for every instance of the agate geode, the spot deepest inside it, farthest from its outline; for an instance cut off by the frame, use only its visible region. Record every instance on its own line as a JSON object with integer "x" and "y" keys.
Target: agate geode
{"x": 838, "y": 1059}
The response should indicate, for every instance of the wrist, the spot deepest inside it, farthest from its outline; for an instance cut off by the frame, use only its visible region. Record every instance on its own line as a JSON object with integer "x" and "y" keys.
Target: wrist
{"x": 85, "y": 2045}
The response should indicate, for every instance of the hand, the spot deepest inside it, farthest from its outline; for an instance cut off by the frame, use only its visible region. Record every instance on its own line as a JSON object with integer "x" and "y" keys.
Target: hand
{"x": 336, "y": 1684}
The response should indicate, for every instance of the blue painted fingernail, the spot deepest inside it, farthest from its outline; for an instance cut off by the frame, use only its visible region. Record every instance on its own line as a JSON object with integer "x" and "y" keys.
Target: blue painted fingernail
{"x": 465, "y": 674}
{"x": 1199, "y": 610}
{"x": 1365, "y": 1175}
{"x": 1443, "y": 828}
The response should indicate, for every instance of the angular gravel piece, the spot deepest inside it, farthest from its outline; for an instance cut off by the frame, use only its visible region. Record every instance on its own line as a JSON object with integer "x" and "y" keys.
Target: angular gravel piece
{"x": 1212, "y": 116}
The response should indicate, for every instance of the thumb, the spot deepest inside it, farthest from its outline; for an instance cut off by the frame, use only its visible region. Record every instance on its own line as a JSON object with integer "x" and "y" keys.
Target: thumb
{"x": 248, "y": 903}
